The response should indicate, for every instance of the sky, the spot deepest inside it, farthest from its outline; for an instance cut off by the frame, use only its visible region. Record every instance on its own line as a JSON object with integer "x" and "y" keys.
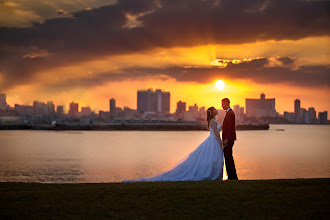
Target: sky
{"x": 89, "y": 51}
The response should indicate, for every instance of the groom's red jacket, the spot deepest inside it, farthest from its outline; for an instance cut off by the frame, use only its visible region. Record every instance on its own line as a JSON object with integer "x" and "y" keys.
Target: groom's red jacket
{"x": 228, "y": 127}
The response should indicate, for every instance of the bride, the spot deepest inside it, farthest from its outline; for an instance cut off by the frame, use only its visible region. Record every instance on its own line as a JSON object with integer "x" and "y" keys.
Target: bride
{"x": 204, "y": 163}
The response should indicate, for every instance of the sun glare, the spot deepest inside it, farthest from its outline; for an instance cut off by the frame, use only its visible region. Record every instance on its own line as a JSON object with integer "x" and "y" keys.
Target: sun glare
{"x": 220, "y": 84}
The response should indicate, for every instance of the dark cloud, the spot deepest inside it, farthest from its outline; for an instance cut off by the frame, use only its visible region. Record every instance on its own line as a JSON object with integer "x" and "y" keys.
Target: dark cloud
{"x": 257, "y": 70}
{"x": 91, "y": 34}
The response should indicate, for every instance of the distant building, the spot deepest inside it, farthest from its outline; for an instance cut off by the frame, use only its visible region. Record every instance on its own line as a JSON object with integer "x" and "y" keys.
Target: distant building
{"x": 112, "y": 108}
{"x": 180, "y": 109}
{"x": 153, "y": 101}
{"x": 60, "y": 109}
{"x": 73, "y": 109}
{"x": 259, "y": 108}
{"x": 24, "y": 109}
{"x": 312, "y": 115}
{"x": 3, "y": 102}
{"x": 85, "y": 111}
{"x": 323, "y": 117}
{"x": 304, "y": 116}
{"x": 50, "y": 107}
{"x": 104, "y": 115}
{"x": 290, "y": 116}
{"x": 193, "y": 108}
{"x": 297, "y": 110}
{"x": 40, "y": 108}
{"x": 239, "y": 113}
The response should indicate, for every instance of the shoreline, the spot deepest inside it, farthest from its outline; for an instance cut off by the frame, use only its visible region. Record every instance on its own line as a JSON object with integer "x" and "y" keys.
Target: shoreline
{"x": 284, "y": 198}
{"x": 125, "y": 127}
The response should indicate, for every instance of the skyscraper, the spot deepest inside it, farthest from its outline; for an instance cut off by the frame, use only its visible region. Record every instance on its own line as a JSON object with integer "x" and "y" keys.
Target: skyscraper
{"x": 3, "y": 102}
{"x": 60, "y": 109}
{"x": 312, "y": 115}
{"x": 73, "y": 110}
{"x": 323, "y": 117}
{"x": 150, "y": 101}
{"x": 112, "y": 107}
{"x": 297, "y": 110}
{"x": 51, "y": 107}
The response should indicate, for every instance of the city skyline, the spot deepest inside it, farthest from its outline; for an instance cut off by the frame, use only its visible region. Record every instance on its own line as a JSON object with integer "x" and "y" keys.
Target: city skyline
{"x": 180, "y": 104}
{"x": 87, "y": 51}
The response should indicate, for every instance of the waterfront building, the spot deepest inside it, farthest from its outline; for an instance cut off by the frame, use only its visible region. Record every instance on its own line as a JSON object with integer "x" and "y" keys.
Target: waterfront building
{"x": 259, "y": 108}
{"x": 297, "y": 110}
{"x": 153, "y": 101}
{"x": 73, "y": 109}
{"x": 60, "y": 109}
{"x": 312, "y": 115}
{"x": 112, "y": 107}
{"x": 3, "y": 102}
{"x": 85, "y": 111}
{"x": 323, "y": 117}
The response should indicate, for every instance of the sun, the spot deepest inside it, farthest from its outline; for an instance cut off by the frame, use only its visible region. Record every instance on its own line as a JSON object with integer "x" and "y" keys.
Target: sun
{"x": 220, "y": 84}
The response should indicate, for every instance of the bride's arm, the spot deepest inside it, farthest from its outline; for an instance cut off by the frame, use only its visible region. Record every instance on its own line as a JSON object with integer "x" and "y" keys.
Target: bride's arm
{"x": 213, "y": 125}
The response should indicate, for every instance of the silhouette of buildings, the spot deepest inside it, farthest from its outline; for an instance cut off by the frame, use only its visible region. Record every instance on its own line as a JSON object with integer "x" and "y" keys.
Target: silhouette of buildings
{"x": 85, "y": 111}
{"x": 297, "y": 110}
{"x": 112, "y": 107}
{"x": 153, "y": 101}
{"x": 260, "y": 108}
{"x": 323, "y": 117}
{"x": 60, "y": 109}
{"x": 3, "y": 102}
{"x": 73, "y": 109}
{"x": 180, "y": 109}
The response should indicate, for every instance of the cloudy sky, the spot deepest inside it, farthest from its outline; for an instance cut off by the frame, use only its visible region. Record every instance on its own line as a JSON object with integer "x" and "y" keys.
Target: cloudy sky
{"x": 89, "y": 51}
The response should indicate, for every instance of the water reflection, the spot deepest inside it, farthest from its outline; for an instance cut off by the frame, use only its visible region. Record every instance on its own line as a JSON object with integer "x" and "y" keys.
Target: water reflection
{"x": 112, "y": 156}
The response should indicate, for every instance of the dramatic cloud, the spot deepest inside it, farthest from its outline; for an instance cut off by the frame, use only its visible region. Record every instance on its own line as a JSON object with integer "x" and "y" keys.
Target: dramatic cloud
{"x": 95, "y": 33}
{"x": 259, "y": 70}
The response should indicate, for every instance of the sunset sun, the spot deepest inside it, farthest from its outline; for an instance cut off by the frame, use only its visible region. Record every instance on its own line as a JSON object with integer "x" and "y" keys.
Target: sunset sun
{"x": 220, "y": 84}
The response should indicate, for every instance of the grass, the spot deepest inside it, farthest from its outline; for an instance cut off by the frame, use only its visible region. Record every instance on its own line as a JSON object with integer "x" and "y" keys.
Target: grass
{"x": 276, "y": 199}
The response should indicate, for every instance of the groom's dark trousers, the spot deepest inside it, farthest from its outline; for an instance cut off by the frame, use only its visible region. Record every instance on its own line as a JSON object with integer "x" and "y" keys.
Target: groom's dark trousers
{"x": 229, "y": 160}
{"x": 229, "y": 133}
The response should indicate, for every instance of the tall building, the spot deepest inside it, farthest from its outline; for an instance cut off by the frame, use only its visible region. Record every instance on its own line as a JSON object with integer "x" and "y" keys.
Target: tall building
{"x": 51, "y": 107}
{"x": 180, "y": 109}
{"x": 3, "y": 102}
{"x": 24, "y": 109}
{"x": 60, "y": 109}
{"x": 112, "y": 107}
{"x": 73, "y": 109}
{"x": 312, "y": 115}
{"x": 304, "y": 116}
{"x": 323, "y": 117}
{"x": 290, "y": 116}
{"x": 40, "y": 108}
{"x": 239, "y": 113}
{"x": 259, "y": 108}
{"x": 153, "y": 101}
{"x": 297, "y": 110}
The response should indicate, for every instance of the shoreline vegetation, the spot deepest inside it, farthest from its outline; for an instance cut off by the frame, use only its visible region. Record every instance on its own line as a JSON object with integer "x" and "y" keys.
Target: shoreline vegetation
{"x": 161, "y": 126}
{"x": 286, "y": 198}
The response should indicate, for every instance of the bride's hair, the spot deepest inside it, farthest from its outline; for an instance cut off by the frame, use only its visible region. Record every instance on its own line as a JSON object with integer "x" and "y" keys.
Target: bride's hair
{"x": 209, "y": 114}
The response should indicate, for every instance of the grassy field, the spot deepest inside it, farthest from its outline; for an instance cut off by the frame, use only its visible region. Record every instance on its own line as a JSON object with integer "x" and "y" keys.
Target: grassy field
{"x": 298, "y": 198}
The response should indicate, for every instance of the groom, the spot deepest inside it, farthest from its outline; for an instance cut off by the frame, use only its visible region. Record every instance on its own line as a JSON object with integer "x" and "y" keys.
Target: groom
{"x": 229, "y": 137}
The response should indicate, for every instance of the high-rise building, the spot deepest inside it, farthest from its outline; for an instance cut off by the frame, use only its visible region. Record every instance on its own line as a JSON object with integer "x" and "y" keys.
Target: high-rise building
{"x": 290, "y": 116}
{"x": 304, "y": 116}
{"x": 312, "y": 115}
{"x": 180, "y": 109}
{"x": 40, "y": 108}
{"x": 51, "y": 107}
{"x": 239, "y": 113}
{"x": 73, "y": 109}
{"x": 60, "y": 109}
{"x": 112, "y": 107}
{"x": 153, "y": 101}
{"x": 3, "y": 102}
{"x": 323, "y": 117}
{"x": 297, "y": 110}
{"x": 260, "y": 107}
{"x": 24, "y": 109}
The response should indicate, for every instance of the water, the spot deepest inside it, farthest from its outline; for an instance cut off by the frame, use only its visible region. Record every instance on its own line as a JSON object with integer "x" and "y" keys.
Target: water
{"x": 300, "y": 151}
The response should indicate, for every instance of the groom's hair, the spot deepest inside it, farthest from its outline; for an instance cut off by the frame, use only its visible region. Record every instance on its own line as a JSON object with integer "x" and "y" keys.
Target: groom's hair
{"x": 225, "y": 100}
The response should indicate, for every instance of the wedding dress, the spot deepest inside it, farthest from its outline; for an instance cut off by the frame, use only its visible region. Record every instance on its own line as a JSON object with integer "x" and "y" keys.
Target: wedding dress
{"x": 204, "y": 163}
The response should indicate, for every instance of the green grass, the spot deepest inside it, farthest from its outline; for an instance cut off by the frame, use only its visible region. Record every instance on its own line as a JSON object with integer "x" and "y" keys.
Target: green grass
{"x": 276, "y": 199}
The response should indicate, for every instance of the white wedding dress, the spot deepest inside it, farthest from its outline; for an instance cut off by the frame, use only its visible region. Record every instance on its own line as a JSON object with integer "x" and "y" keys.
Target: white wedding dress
{"x": 204, "y": 163}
